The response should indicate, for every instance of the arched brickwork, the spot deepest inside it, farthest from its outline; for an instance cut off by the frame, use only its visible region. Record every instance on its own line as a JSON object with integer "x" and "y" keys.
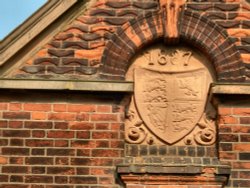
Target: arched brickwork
{"x": 194, "y": 29}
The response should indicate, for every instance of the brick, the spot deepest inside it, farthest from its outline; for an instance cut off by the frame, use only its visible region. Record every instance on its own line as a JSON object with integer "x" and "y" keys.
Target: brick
{"x": 245, "y": 174}
{"x": 16, "y": 160}
{"x": 39, "y": 143}
{"x": 38, "y": 170}
{"x": 60, "y": 134}
{"x": 16, "y": 115}
{"x": 37, "y": 186}
{"x": 104, "y": 108}
{"x": 83, "y": 134}
{"x": 60, "y": 180}
{"x": 38, "y": 125}
{"x": 83, "y": 180}
{"x": 74, "y": 61}
{"x": 228, "y": 120}
{"x": 62, "y": 161}
{"x": 226, "y": 147}
{"x": 35, "y": 69}
{"x": 245, "y": 138}
{"x": 81, "y": 108}
{"x": 3, "y": 106}
{"x": 60, "y": 70}
{"x": 3, "y": 160}
{"x": 83, "y": 144}
{"x": 38, "y": 151}
{"x": 241, "y": 147}
{"x": 103, "y": 144}
{"x": 38, "y": 179}
{"x": 39, "y": 161}
{"x": 3, "y": 124}
{"x": 81, "y": 126}
{"x": 61, "y": 125}
{"x": 83, "y": 152}
{"x": 241, "y": 111}
{"x": 16, "y": 178}
{"x": 82, "y": 171}
{"x": 39, "y": 116}
{"x": 15, "y": 169}
{"x": 104, "y": 135}
{"x": 4, "y": 142}
{"x": 105, "y": 153}
{"x": 60, "y": 152}
{"x": 37, "y": 107}
{"x": 101, "y": 171}
{"x": 106, "y": 180}
{"x": 228, "y": 138}
{"x": 63, "y": 36}
{"x": 15, "y": 124}
{"x": 81, "y": 161}
{"x": 62, "y": 116}
{"x": 82, "y": 117}
{"x": 245, "y": 120}
{"x": 60, "y": 107}
{"x": 104, "y": 117}
{"x": 4, "y": 178}
{"x": 14, "y": 186}
{"x": 61, "y": 53}
{"x": 38, "y": 134}
{"x": 15, "y": 106}
{"x": 102, "y": 126}
{"x": 46, "y": 61}
{"x": 15, "y": 151}
{"x": 225, "y": 129}
{"x": 16, "y": 142}
{"x": 61, "y": 170}
{"x": 61, "y": 143}
{"x": 241, "y": 129}
{"x": 224, "y": 111}
{"x": 88, "y": 54}
{"x": 244, "y": 156}
{"x": 228, "y": 156}
{"x": 241, "y": 183}
{"x": 16, "y": 133}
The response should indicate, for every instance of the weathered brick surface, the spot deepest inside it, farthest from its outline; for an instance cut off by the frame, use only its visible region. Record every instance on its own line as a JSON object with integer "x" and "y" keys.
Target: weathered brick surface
{"x": 66, "y": 149}
{"x": 77, "y": 143}
{"x": 234, "y": 137}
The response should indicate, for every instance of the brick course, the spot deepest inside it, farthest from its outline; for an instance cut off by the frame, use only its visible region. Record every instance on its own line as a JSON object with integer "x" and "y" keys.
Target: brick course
{"x": 60, "y": 152}
{"x": 234, "y": 134}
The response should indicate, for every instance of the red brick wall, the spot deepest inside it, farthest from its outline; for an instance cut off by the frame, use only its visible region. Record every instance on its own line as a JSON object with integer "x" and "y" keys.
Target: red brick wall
{"x": 76, "y": 141}
{"x": 59, "y": 143}
{"x": 234, "y": 142}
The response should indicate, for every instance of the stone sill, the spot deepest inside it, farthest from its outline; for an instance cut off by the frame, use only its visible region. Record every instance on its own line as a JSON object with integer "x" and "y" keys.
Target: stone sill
{"x": 172, "y": 169}
{"x": 174, "y": 175}
{"x": 66, "y": 85}
{"x": 114, "y": 86}
{"x": 231, "y": 88}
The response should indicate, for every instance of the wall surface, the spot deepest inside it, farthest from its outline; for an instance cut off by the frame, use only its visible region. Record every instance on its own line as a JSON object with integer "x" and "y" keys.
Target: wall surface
{"x": 60, "y": 140}
{"x": 234, "y": 139}
{"x": 63, "y": 139}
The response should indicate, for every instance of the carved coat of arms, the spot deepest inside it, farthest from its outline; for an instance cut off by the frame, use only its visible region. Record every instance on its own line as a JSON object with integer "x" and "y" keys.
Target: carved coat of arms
{"x": 170, "y": 95}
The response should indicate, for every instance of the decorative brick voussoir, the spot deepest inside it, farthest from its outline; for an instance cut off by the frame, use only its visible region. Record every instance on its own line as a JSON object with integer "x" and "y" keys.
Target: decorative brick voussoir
{"x": 197, "y": 29}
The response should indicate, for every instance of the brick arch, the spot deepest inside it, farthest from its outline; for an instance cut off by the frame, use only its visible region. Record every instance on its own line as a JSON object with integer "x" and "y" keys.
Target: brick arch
{"x": 195, "y": 29}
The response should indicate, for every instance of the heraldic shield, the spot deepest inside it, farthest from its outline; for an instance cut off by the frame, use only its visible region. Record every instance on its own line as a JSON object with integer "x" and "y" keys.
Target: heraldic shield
{"x": 170, "y": 103}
